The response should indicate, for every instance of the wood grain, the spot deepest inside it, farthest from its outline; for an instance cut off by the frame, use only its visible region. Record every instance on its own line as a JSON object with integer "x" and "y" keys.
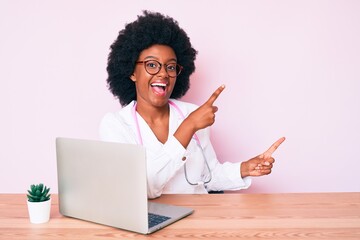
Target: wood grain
{"x": 217, "y": 216}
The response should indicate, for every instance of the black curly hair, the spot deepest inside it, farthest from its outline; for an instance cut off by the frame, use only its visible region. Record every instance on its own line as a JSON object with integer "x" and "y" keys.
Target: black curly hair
{"x": 149, "y": 29}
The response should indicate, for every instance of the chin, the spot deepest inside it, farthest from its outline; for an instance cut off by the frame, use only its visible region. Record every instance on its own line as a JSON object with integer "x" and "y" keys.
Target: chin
{"x": 160, "y": 102}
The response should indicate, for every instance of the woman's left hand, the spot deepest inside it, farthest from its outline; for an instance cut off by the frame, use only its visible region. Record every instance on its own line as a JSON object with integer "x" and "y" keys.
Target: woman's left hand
{"x": 261, "y": 164}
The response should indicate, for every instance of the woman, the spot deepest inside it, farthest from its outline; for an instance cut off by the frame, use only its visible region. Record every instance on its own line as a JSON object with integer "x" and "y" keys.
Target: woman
{"x": 149, "y": 66}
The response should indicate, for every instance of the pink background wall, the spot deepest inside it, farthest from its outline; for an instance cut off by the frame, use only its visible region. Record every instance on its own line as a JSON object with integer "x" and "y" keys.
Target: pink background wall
{"x": 292, "y": 68}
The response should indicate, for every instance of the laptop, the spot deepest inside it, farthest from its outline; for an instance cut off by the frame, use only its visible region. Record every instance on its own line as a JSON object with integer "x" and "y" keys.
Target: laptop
{"x": 105, "y": 183}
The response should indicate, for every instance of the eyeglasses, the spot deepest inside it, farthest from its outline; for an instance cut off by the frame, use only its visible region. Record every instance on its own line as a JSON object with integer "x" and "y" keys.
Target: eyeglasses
{"x": 152, "y": 67}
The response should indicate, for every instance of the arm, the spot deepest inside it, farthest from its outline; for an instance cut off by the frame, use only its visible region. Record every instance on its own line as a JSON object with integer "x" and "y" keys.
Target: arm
{"x": 201, "y": 118}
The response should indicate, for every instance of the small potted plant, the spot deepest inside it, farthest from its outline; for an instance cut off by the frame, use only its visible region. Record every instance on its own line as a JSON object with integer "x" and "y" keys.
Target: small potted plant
{"x": 39, "y": 203}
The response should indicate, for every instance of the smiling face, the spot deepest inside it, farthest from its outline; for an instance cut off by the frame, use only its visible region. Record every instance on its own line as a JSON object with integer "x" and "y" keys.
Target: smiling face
{"x": 154, "y": 90}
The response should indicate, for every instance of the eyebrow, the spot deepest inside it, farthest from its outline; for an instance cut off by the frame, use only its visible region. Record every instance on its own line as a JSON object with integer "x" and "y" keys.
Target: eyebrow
{"x": 150, "y": 57}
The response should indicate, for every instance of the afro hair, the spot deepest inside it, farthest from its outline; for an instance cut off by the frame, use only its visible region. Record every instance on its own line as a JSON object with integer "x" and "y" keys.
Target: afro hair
{"x": 149, "y": 29}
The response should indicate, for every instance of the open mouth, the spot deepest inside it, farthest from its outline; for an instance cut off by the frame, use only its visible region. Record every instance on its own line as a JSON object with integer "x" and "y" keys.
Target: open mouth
{"x": 158, "y": 88}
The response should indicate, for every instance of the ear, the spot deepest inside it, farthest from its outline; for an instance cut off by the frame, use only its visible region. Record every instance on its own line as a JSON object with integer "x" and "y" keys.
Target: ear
{"x": 133, "y": 78}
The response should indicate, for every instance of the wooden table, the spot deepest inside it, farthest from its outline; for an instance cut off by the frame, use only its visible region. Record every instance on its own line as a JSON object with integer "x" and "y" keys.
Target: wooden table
{"x": 216, "y": 216}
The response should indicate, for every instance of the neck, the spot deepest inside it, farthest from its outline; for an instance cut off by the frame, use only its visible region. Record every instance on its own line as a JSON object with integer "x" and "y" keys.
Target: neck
{"x": 157, "y": 118}
{"x": 152, "y": 114}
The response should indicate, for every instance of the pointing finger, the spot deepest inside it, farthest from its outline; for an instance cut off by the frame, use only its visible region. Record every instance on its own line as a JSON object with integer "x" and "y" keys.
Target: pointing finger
{"x": 273, "y": 147}
{"x": 215, "y": 95}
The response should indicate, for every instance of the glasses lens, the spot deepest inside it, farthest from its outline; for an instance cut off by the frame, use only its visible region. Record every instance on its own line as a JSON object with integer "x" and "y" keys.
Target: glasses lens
{"x": 172, "y": 69}
{"x": 152, "y": 67}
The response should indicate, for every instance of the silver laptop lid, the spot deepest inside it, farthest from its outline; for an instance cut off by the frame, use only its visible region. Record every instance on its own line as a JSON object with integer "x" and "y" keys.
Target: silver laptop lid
{"x": 94, "y": 178}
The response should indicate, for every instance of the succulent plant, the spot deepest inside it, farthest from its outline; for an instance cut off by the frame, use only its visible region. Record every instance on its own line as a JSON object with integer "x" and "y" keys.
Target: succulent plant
{"x": 38, "y": 193}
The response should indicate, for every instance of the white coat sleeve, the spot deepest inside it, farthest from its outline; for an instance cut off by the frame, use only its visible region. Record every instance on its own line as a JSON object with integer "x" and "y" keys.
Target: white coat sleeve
{"x": 225, "y": 176}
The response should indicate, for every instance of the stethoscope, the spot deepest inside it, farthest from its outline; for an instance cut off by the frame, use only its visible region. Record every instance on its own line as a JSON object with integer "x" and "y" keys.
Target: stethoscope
{"x": 196, "y": 138}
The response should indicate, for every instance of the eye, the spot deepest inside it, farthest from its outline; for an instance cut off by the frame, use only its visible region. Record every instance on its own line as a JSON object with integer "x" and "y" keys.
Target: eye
{"x": 171, "y": 67}
{"x": 152, "y": 64}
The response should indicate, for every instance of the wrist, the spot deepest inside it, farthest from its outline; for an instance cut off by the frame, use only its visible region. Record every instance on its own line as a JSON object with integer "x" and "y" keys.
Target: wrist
{"x": 189, "y": 125}
{"x": 184, "y": 133}
{"x": 243, "y": 170}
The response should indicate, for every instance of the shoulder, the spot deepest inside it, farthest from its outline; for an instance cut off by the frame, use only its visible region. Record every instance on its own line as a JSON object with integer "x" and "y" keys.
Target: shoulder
{"x": 185, "y": 107}
{"x": 122, "y": 117}
{"x": 117, "y": 126}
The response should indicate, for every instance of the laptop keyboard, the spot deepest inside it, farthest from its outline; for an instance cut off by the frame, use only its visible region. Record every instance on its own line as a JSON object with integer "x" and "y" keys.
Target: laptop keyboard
{"x": 155, "y": 219}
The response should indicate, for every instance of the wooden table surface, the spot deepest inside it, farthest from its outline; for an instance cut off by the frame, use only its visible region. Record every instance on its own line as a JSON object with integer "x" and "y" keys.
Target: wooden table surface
{"x": 216, "y": 216}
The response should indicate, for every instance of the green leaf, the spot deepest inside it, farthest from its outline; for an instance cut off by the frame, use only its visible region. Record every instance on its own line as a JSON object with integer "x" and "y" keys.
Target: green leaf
{"x": 38, "y": 193}
{"x": 31, "y": 199}
{"x": 40, "y": 187}
{"x": 46, "y": 191}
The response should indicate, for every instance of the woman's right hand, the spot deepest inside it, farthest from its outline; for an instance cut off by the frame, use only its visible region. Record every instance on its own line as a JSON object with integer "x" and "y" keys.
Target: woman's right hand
{"x": 201, "y": 118}
{"x": 204, "y": 116}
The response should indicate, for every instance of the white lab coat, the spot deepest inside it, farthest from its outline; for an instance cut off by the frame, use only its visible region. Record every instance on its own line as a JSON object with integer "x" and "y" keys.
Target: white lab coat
{"x": 165, "y": 167}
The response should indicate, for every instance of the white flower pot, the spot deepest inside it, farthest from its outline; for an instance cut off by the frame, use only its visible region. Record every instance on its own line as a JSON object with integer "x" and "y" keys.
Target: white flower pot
{"x": 39, "y": 212}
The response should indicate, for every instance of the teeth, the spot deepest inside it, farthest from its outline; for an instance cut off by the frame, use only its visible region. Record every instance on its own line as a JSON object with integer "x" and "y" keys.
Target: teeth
{"x": 158, "y": 85}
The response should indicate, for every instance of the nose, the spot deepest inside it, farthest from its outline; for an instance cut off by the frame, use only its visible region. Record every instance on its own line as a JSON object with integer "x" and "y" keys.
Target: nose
{"x": 163, "y": 71}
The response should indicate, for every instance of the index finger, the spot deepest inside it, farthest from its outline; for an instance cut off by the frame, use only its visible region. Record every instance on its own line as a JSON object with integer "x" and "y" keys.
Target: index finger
{"x": 215, "y": 95}
{"x": 273, "y": 147}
